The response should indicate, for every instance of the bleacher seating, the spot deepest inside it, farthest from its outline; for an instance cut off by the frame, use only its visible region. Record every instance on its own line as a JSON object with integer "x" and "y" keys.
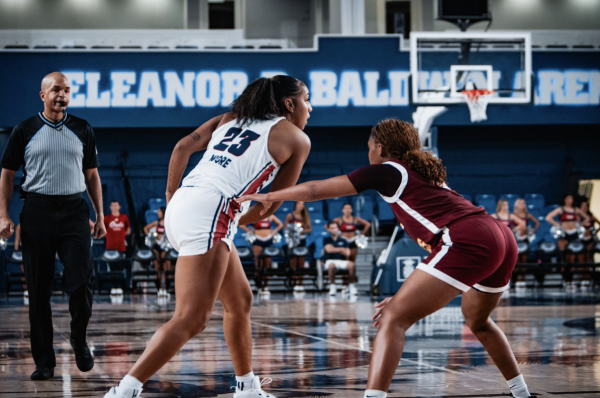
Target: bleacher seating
{"x": 151, "y": 216}
{"x": 369, "y": 206}
{"x": 334, "y": 207}
{"x": 285, "y": 208}
{"x": 548, "y": 209}
{"x": 315, "y": 210}
{"x": 321, "y": 171}
{"x": 487, "y": 201}
{"x": 384, "y": 212}
{"x": 535, "y": 200}
{"x": 364, "y": 207}
{"x": 157, "y": 203}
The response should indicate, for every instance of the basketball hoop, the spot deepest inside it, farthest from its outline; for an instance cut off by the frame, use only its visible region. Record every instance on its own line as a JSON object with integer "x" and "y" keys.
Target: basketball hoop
{"x": 477, "y": 102}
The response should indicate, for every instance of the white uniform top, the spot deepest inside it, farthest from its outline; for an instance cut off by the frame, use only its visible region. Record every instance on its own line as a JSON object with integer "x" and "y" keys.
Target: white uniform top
{"x": 237, "y": 161}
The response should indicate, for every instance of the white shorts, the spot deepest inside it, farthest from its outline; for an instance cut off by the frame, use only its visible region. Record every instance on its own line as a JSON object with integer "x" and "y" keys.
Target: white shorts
{"x": 197, "y": 218}
{"x": 339, "y": 264}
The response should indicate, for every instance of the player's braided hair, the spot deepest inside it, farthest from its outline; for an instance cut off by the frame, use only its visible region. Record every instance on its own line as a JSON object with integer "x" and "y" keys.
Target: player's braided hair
{"x": 263, "y": 98}
{"x": 400, "y": 140}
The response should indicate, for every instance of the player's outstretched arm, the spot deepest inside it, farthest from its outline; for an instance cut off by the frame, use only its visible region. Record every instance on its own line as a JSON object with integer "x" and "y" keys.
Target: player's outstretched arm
{"x": 197, "y": 141}
{"x": 306, "y": 192}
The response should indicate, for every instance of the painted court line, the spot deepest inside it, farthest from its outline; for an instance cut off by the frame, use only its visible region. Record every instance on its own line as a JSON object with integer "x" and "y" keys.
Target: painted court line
{"x": 361, "y": 349}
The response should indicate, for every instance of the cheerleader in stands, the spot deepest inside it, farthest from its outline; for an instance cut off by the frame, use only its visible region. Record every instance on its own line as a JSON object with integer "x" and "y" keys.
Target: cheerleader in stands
{"x": 520, "y": 211}
{"x": 591, "y": 228}
{"x": 471, "y": 252}
{"x": 160, "y": 264}
{"x": 522, "y": 233}
{"x": 258, "y": 143}
{"x": 300, "y": 217}
{"x": 264, "y": 238}
{"x": 505, "y": 217}
{"x": 570, "y": 217}
{"x": 349, "y": 226}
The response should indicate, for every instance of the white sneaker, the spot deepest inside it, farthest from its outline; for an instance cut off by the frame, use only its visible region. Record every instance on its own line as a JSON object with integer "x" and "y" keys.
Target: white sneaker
{"x": 119, "y": 291}
{"x": 255, "y": 391}
{"x": 123, "y": 392}
{"x": 113, "y": 291}
{"x": 265, "y": 292}
{"x": 344, "y": 290}
{"x": 353, "y": 291}
{"x": 26, "y": 293}
{"x": 332, "y": 289}
{"x": 300, "y": 288}
{"x": 297, "y": 288}
{"x": 521, "y": 285}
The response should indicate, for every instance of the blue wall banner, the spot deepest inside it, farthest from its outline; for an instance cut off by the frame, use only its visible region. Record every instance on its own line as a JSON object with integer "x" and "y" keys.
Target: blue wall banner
{"x": 353, "y": 82}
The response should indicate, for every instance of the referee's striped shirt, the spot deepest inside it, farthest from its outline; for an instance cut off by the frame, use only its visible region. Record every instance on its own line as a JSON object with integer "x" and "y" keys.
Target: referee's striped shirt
{"x": 53, "y": 156}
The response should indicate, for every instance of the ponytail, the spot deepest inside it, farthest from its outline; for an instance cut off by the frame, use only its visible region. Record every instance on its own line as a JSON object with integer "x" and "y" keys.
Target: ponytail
{"x": 400, "y": 140}
{"x": 263, "y": 99}
{"x": 427, "y": 166}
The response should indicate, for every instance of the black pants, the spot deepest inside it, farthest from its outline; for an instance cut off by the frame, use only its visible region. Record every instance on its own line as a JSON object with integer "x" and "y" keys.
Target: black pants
{"x": 53, "y": 225}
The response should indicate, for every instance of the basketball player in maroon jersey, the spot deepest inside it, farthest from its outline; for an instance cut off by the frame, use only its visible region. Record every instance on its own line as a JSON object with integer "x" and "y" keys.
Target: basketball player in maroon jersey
{"x": 471, "y": 253}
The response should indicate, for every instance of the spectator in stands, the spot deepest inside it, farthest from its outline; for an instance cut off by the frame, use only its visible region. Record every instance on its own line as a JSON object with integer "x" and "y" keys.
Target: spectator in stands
{"x": 338, "y": 256}
{"x": 570, "y": 216}
{"x": 264, "y": 238}
{"x": 117, "y": 228}
{"x": 521, "y": 212}
{"x": 160, "y": 264}
{"x": 299, "y": 216}
{"x": 505, "y": 217}
{"x": 349, "y": 226}
{"x": 591, "y": 227}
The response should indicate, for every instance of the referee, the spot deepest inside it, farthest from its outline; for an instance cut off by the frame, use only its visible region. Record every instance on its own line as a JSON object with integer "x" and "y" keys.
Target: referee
{"x": 59, "y": 159}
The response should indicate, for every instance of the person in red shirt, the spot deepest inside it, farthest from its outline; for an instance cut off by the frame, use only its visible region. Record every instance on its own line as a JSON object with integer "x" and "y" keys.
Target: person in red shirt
{"x": 471, "y": 252}
{"x": 117, "y": 228}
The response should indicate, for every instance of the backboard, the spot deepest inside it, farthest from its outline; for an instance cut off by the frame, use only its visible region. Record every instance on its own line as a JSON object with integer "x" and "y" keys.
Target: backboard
{"x": 443, "y": 64}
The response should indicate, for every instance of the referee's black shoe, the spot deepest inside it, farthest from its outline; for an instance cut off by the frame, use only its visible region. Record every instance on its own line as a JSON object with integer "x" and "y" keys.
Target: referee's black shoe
{"x": 42, "y": 373}
{"x": 83, "y": 356}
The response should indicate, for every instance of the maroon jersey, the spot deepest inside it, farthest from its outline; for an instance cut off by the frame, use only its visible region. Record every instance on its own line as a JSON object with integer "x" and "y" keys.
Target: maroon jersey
{"x": 423, "y": 210}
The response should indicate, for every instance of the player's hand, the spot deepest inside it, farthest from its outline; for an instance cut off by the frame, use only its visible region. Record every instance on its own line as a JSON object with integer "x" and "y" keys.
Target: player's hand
{"x": 380, "y": 306}
{"x": 260, "y": 198}
{"x": 99, "y": 228}
{"x": 7, "y": 227}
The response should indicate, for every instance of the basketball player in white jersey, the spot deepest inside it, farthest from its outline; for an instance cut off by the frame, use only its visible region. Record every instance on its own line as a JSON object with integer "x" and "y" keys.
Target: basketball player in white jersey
{"x": 259, "y": 141}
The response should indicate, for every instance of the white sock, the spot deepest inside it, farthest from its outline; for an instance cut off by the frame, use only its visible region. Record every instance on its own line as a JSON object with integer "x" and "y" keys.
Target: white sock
{"x": 375, "y": 394}
{"x": 244, "y": 382}
{"x": 518, "y": 388}
{"x": 131, "y": 382}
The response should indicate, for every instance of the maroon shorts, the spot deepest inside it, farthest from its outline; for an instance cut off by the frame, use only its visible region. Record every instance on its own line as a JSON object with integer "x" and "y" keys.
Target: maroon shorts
{"x": 477, "y": 251}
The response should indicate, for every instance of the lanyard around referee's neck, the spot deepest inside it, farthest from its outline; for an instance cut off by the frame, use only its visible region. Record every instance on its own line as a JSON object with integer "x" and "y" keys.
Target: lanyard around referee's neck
{"x": 54, "y": 125}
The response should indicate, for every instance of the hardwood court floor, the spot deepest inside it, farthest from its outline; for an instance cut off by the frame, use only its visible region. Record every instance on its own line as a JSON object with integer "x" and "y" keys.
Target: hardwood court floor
{"x": 317, "y": 347}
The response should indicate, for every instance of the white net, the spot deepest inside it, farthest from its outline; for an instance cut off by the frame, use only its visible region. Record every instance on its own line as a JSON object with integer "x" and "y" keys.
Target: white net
{"x": 477, "y": 101}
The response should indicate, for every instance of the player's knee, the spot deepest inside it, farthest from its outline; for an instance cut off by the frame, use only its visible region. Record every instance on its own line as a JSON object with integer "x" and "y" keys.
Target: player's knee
{"x": 242, "y": 305}
{"x": 397, "y": 320}
{"x": 193, "y": 323}
{"x": 477, "y": 324}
